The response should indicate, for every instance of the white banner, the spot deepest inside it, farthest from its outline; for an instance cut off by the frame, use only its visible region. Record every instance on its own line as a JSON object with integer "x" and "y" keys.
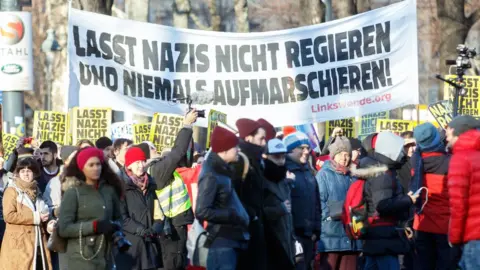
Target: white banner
{"x": 16, "y": 54}
{"x": 344, "y": 68}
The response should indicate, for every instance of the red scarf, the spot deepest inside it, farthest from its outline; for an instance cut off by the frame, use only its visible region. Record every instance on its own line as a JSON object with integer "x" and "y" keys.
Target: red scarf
{"x": 140, "y": 181}
{"x": 339, "y": 168}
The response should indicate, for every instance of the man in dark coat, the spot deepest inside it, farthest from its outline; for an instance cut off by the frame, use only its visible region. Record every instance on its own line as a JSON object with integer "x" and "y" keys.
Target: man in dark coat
{"x": 174, "y": 250}
{"x": 219, "y": 205}
{"x": 306, "y": 208}
{"x": 386, "y": 203}
{"x": 250, "y": 190}
{"x": 137, "y": 213}
{"x": 278, "y": 208}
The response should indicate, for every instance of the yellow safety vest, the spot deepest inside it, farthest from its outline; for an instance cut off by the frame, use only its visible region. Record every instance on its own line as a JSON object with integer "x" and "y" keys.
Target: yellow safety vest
{"x": 174, "y": 198}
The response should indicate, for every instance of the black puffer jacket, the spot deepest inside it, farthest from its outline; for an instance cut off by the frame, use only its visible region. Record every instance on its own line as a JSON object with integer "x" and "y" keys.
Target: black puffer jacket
{"x": 279, "y": 231}
{"x": 385, "y": 200}
{"x": 137, "y": 214}
{"x": 219, "y": 205}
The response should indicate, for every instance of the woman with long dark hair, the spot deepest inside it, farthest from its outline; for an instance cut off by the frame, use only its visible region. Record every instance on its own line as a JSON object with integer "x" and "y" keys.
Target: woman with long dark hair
{"x": 25, "y": 213}
{"x": 90, "y": 204}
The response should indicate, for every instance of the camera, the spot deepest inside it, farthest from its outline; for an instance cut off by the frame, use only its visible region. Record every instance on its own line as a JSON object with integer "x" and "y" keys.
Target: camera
{"x": 119, "y": 238}
{"x": 201, "y": 113}
{"x": 464, "y": 56}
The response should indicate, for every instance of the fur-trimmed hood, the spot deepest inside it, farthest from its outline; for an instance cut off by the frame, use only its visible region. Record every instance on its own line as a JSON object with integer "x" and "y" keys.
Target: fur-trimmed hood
{"x": 71, "y": 181}
{"x": 368, "y": 172}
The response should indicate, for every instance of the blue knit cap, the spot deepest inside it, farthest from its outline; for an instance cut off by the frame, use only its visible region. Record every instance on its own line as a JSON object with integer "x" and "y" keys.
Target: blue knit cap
{"x": 427, "y": 137}
{"x": 295, "y": 140}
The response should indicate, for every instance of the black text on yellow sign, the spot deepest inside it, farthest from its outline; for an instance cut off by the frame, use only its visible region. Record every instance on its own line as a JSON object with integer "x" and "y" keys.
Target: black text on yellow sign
{"x": 164, "y": 130}
{"x": 50, "y": 126}
{"x": 9, "y": 142}
{"x": 141, "y": 132}
{"x": 348, "y": 127}
{"x": 214, "y": 117}
{"x": 470, "y": 102}
{"x": 442, "y": 112}
{"x": 395, "y": 126}
{"x": 91, "y": 123}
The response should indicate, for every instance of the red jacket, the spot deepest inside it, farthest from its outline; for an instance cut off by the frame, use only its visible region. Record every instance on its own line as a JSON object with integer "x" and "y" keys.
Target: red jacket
{"x": 436, "y": 214}
{"x": 464, "y": 189}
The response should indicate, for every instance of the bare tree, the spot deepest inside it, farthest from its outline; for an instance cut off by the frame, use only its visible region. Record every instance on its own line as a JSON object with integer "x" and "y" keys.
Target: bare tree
{"x": 214, "y": 15}
{"x": 241, "y": 16}
{"x": 137, "y": 10}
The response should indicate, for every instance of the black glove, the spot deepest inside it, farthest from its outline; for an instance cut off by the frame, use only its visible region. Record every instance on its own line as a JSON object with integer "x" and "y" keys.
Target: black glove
{"x": 105, "y": 227}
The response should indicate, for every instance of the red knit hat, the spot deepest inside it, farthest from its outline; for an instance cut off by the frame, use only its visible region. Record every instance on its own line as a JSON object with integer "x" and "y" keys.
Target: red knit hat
{"x": 134, "y": 154}
{"x": 269, "y": 129}
{"x": 86, "y": 153}
{"x": 246, "y": 127}
{"x": 223, "y": 140}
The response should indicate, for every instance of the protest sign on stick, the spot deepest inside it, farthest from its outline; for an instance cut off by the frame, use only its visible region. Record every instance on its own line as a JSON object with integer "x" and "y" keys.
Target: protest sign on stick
{"x": 368, "y": 123}
{"x": 470, "y": 102}
{"x": 9, "y": 143}
{"x": 348, "y": 127}
{"x": 396, "y": 126}
{"x": 141, "y": 132}
{"x": 91, "y": 123}
{"x": 164, "y": 130}
{"x": 442, "y": 112}
{"x": 122, "y": 130}
{"x": 214, "y": 117}
{"x": 50, "y": 126}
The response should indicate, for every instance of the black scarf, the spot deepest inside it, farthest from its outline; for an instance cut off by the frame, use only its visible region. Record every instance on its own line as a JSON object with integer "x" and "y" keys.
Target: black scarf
{"x": 273, "y": 172}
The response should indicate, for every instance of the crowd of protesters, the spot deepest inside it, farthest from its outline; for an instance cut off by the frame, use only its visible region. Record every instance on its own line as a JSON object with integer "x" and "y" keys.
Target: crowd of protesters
{"x": 266, "y": 198}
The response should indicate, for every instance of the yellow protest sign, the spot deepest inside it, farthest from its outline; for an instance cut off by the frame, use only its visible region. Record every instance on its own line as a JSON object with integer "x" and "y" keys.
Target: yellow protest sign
{"x": 164, "y": 130}
{"x": 213, "y": 118}
{"x": 442, "y": 112}
{"x": 91, "y": 123}
{"x": 9, "y": 143}
{"x": 395, "y": 125}
{"x": 348, "y": 126}
{"x": 141, "y": 132}
{"x": 50, "y": 126}
{"x": 368, "y": 123}
{"x": 470, "y": 103}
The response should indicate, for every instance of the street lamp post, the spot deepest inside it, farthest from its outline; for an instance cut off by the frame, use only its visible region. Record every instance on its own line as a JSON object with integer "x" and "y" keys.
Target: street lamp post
{"x": 49, "y": 47}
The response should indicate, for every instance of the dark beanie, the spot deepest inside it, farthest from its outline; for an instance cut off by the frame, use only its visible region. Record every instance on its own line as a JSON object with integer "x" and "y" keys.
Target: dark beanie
{"x": 223, "y": 140}
{"x": 463, "y": 123}
{"x": 145, "y": 148}
{"x": 24, "y": 152}
{"x": 246, "y": 127}
{"x": 355, "y": 143}
{"x": 66, "y": 151}
{"x": 269, "y": 129}
{"x": 103, "y": 143}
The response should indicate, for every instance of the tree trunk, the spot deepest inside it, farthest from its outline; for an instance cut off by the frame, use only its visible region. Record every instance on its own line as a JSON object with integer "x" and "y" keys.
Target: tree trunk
{"x": 241, "y": 16}
{"x": 180, "y": 13}
{"x": 214, "y": 15}
{"x": 137, "y": 10}
{"x": 312, "y": 12}
{"x": 362, "y": 6}
{"x": 97, "y": 6}
{"x": 453, "y": 23}
{"x": 344, "y": 8}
